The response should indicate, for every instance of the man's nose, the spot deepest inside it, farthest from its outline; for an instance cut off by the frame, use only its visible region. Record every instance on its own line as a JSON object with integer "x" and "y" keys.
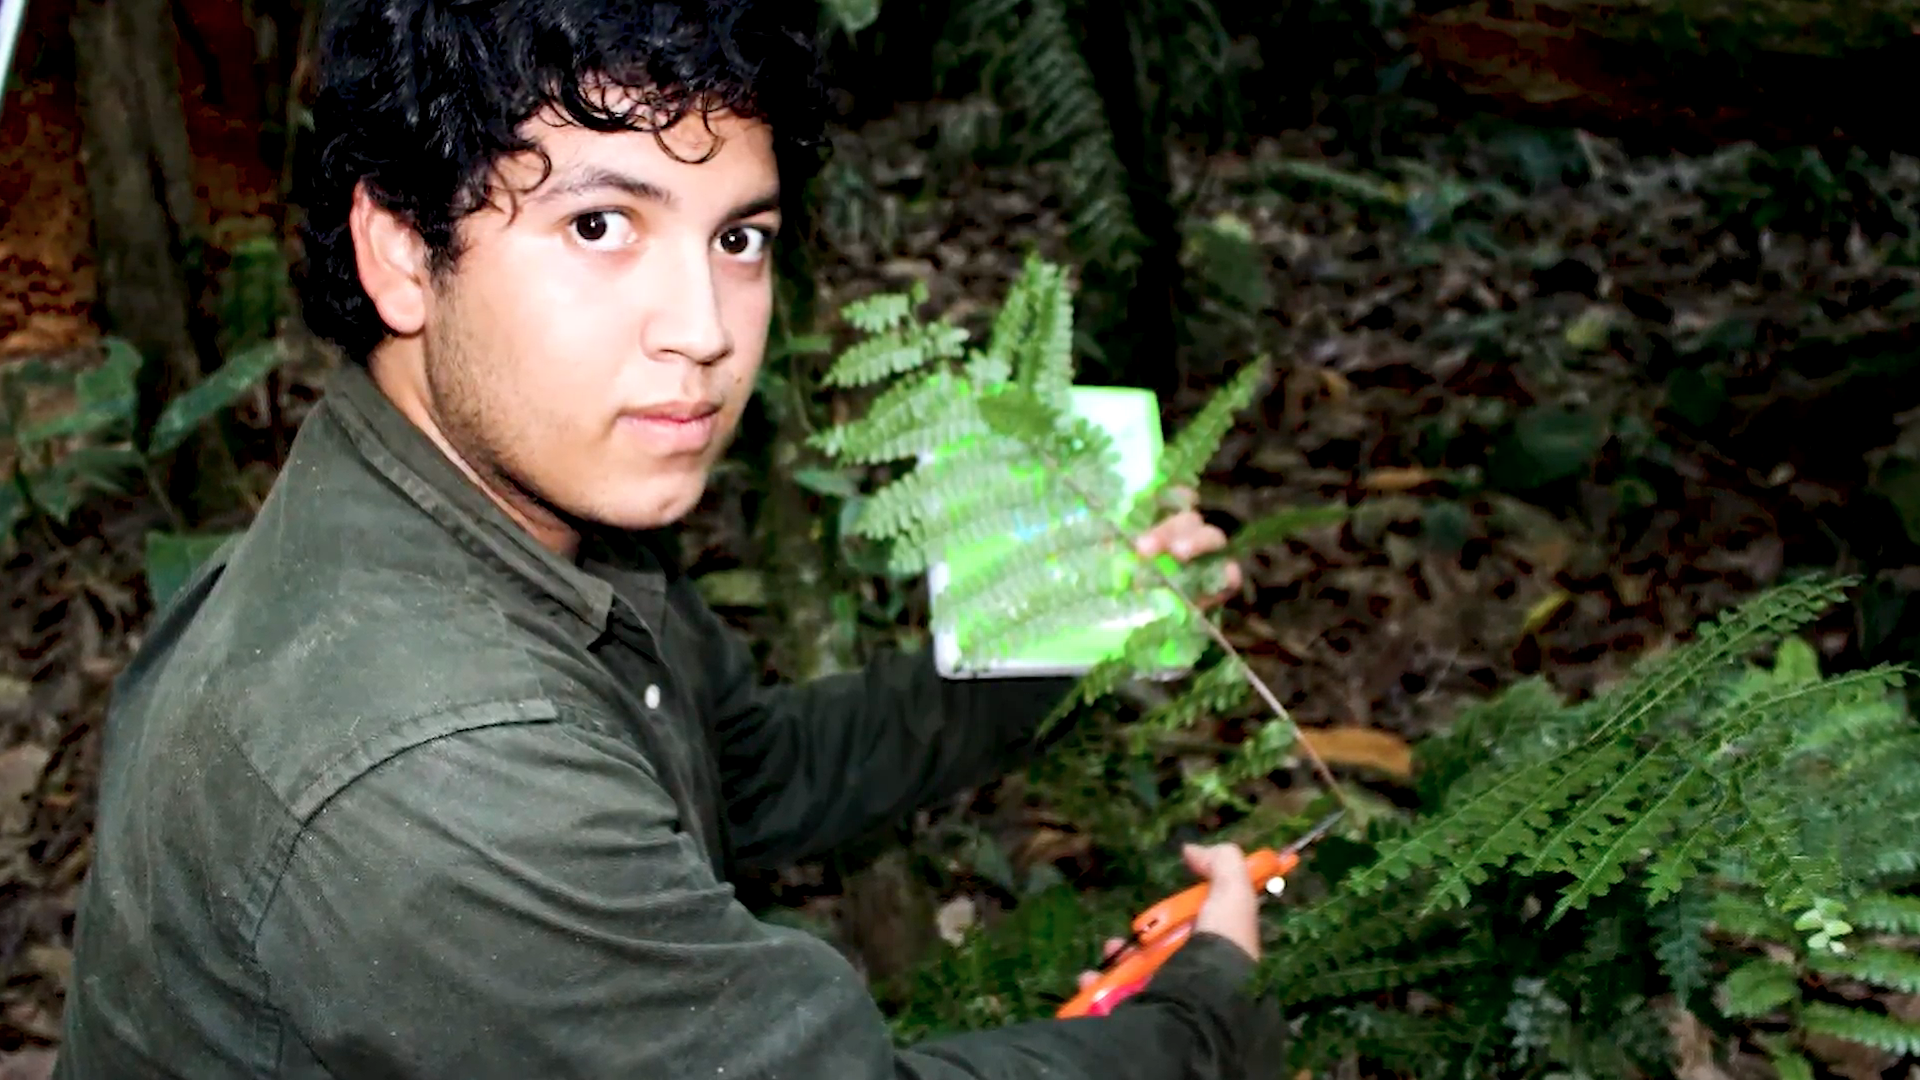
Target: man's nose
{"x": 685, "y": 320}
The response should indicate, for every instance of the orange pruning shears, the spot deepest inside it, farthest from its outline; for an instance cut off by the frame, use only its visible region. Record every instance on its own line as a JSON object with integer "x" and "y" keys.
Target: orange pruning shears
{"x": 1159, "y": 931}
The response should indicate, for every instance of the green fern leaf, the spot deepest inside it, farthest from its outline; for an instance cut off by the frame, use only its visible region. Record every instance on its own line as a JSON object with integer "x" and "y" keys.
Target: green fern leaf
{"x": 976, "y": 473}
{"x": 1887, "y": 968}
{"x": 1076, "y": 450}
{"x": 1886, "y": 912}
{"x": 1043, "y": 362}
{"x": 1790, "y": 878}
{"x": 1789, "y": 1064}
{"x": 1377, "y": 976}
{"x": 1005, "y": 637}
{"x": 1215, "y": 690}
{"x": 1759, "y": 987}
{"x": 1742, "y": 916}
{"x": 901, "y": 413}
{"x": 1520, "y": 827}
{"x": 895, "y": 353}
{"x": 1680, "y": 861}
{"x": 1591, "y": 827}
{"x": 977, "y": 520}
{"x": 1488, "y": 827}
{"x": 882, "y": 312}
{"x": 1888, "y": 1033}
{"x": 1190, "y": 451}
{"x": 1680, "y": 941}
{"x": 1281, "y": 525}
{"x": 1600, "y": 871}
{"x": 1059, "y": 550}
{"x": 1719, "y": 644}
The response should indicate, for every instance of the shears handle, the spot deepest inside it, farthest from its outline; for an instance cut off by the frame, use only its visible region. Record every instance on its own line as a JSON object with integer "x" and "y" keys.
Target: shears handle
{"x": 1159, "y": 932}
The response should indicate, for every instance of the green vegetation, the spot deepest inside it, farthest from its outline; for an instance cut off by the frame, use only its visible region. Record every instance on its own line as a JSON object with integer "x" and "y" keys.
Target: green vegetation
{"x": 1773, "y": 791}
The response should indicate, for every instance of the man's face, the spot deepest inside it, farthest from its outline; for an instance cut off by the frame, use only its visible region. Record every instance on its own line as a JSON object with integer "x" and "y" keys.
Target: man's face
{"x": 594, "y": 345}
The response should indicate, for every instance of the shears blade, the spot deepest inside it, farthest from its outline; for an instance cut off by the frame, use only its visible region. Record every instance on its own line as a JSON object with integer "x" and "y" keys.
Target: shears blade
{"x": 1319, "y": 830}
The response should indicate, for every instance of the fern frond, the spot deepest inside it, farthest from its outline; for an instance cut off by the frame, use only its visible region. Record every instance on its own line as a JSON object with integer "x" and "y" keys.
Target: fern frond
{"x": 1012, "y": 635}
{"x": 1601, "y": 870}
{"x": 1889, "y": 969}
{"x": 1680, "y": 941}
{"x": 1003, "y": 578}
{"x": 1042, "y": 355}
{"x": 1886, "y": 912}
{"x": 1718, "y": 644}
{"x": 1591, "y": 827}
{"x": 1888, "y": 1033}
{"x": 1049, "y": 81}
{"x": 1790, "y": 878}
{"x": 977, "y": 473}
{"x": 1281, "y": 525}
{"x": 895, "y": 352}
{"x": 1045, "y": 592}
{"x": 976, "y": 520}
{"x": 1372, "y": 977}
{"x": 1790, "y": 1064}
{"x": 1214, "y": 690}
{"x": 910, "y": 418}
{"x": 1680, "y": 861}
{"x": 1077, "y": 451}
{"x": 1759, "y": 987}
{"x": 882, "y": 312}
{"x": 1739, "y": 728}
{"x": 1190, "y": 450}
{"x": 1490, "y": 826}
{"x": 1744, "y": 917}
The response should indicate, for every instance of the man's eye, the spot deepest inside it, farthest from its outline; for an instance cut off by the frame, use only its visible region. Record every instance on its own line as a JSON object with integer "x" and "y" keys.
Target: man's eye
{"x": 595, "y": 226}
{"x": 744, "y": 241}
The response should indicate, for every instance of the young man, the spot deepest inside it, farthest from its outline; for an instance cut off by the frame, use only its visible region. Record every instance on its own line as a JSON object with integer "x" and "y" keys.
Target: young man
{"x": 440, "y": 770}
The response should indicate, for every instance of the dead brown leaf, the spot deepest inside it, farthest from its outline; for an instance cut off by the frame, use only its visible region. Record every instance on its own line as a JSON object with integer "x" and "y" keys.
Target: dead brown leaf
{"x": 1359, "y": 746}
{"x": 1692, "y": 1047}
{"x": 1397, "y": 478}
{"x": 20, "y": 769}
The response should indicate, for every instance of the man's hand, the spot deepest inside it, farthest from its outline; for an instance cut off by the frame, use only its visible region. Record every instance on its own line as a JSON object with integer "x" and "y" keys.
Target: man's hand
{"x": 1232, "y": 909}
{"x": 1187, "y": 536}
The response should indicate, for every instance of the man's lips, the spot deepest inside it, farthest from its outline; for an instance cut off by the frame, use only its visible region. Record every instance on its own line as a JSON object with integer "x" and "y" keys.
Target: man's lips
{"x": 674, "y": 427}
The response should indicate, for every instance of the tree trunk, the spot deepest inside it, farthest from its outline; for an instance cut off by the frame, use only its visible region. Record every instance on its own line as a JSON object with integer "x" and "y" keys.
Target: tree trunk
{"x": 888, "y": 912}
{"x": 139, "y": 171}
{"x": 1146, "y": 345}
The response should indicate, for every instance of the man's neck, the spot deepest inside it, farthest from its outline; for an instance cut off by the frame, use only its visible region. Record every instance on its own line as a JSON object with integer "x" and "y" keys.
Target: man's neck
{"x": 402, "y": 380}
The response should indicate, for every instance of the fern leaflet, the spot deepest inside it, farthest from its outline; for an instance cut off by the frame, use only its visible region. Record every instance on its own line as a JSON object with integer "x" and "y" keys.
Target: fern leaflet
{"x": 1888, "y": 1033}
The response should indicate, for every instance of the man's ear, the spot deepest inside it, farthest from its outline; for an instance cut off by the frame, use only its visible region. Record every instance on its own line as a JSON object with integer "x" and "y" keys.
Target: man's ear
{"x": 392, "y": 260}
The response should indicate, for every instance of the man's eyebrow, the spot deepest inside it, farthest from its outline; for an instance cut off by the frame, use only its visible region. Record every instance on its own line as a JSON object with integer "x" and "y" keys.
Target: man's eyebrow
{"x": 752, "y": 207}
{"x": 586, "y": 181}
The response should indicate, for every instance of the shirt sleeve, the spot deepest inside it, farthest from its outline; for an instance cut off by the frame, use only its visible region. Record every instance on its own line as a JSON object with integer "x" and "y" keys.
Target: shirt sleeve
{"x": 807, "y": 767}
{"x": 517, "y": 901}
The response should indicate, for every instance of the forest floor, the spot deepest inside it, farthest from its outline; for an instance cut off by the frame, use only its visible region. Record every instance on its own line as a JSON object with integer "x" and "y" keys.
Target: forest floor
{"x": 1411, "y": 323}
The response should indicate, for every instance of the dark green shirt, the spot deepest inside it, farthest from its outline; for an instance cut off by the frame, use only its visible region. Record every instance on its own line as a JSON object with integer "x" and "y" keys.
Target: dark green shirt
{"x": 392, "y": 792}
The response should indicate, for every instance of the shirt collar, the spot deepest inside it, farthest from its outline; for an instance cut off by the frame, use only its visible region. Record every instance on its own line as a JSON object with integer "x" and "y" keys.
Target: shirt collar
{"x": 393, "y": 446}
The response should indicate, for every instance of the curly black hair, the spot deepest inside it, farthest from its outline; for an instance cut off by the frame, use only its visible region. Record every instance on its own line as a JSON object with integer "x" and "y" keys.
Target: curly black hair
{"x": 420, "y": 98}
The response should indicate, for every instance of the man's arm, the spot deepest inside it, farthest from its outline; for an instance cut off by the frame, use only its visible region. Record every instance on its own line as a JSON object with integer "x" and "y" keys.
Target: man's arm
{"x": 517, "y": 901}
{"x": 806, "y": 767}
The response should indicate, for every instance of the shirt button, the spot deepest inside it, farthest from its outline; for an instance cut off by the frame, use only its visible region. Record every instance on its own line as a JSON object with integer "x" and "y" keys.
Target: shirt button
{"x": 653, "y": 696}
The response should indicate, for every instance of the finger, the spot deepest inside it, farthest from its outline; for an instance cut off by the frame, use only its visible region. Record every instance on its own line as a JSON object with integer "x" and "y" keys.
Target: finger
{"x": 1087, "y": 978}
{"x": 1168, "y": 531}
{"x": 1112, "y": 947}
{"x": 1188, "y": 539}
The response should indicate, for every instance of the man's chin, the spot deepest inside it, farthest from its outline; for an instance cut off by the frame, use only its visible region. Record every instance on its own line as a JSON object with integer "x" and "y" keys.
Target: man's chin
{"x": 652, "y": 506}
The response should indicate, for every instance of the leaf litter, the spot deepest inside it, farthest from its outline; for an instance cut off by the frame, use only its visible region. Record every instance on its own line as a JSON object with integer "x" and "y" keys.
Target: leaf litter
{"x": 1409, "y": 341}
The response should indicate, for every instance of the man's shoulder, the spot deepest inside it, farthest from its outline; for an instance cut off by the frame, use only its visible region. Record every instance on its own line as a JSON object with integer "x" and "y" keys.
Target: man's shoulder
{"x": 312, "y": 669}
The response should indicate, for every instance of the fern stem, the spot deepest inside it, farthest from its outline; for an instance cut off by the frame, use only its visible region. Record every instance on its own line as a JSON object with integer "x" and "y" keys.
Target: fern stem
{"x": 1219, "y": 636}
